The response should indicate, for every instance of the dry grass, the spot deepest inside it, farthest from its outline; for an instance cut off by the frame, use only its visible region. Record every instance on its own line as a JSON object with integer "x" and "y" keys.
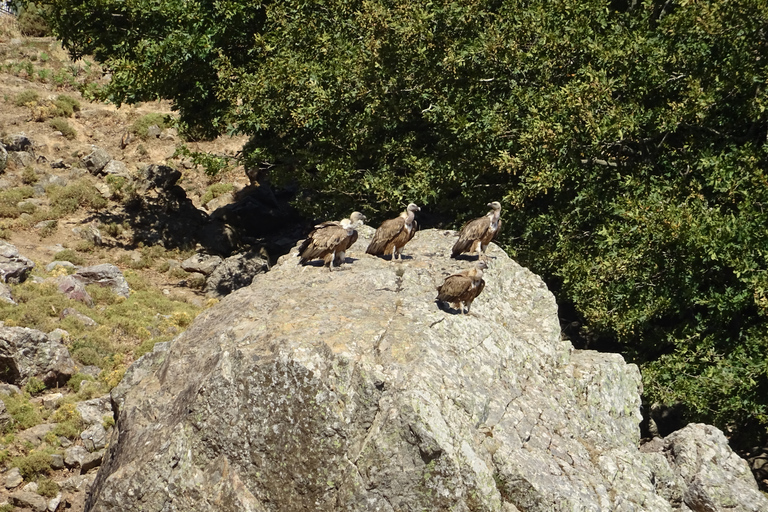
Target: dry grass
{"x": 9, "y": 28}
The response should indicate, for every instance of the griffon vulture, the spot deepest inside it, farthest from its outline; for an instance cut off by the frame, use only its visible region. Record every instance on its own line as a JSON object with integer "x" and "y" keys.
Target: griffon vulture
{"x": 478, "y": 233}
{"x": 330, "y": 240}
{"x": 461, "y": 289}
{"x": 393, "y": 234}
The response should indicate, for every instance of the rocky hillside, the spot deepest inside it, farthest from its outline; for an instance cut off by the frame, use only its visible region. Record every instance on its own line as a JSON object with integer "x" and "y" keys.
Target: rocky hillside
{"x": 353, "y": 390}
{"x": 109, "y": 244}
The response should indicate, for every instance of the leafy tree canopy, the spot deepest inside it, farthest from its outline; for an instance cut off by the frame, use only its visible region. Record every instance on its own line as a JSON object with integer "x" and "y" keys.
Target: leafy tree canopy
{"x": 626, "y": 139}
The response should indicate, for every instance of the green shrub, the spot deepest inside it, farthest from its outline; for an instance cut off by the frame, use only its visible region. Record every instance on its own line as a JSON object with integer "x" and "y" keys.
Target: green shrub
{"x": 26, "y": 98}
{"x": 23, "y": 414}
{"x": 47, "y": 487}
{"x": 216, "y": 190}
{"x": 9, "y": 200}
{"x": 141, "y": 126}
{"x": 34, "y": 386}
{"x": 62, "y": 125}
{"x": 76, "y": 381}
{"x": 32, "y": 465}
{"x": 70, "y": 256}
{"x": 29, "y": 176}
{"x": 79, "y": 194}
{"x": 68, "y": 421}
{"x": 66, "y": 105}
{"x": 32, "y": 21}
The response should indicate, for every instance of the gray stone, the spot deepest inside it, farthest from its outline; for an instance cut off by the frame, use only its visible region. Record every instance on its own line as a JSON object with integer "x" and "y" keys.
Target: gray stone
{"x": 96, "y": 160}
{"x": 74, "y": 456}
{"x": 22, "y": 159}
{"x": 77, "y": 483}
{"x": 14, "y": 268}
{"x": 58, "y": 335}
{"x": 13, "y": 478}
{"x": 47, "y": 224}
{"x": 54, "y": 503}
{"x": 160, "y": 177}
{"x": 59, "y": 163}
{"x": 116, "y": 168}
{"x": 28, "y": 500}
{"x": 94, "y": 437}
{"x": 17, "y": 142}
{"x": 201, "y": 263}
{"x": 74, "y": 289}
{"x": 90, "y": 233}
{"x": 104, "y": 274}
{"x": 5, "y": 417}
{"x": 30, "y": 487}
{"x": 154, "y": 131}
{"x": 26, "y": 353}
{"x": 36, "y": 434}
{"x": 3, "y": 158}
{"x": 234, "y": 273}
{"x": 57, "y": 461}
{"x": 351, "y": 390}
{"x": 51, "y": 400}
{"x": 91, "y": 461}
{"x": 5, "y": 293}
{"x": 93, "y": 411}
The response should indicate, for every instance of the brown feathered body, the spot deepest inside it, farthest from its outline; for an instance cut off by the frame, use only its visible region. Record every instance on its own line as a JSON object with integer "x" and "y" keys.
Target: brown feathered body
{"x": 478, "y": 233}
{"x": 393, "y": 234}
{"x": 462, "y": 288}
{"x": 328, "y": 241}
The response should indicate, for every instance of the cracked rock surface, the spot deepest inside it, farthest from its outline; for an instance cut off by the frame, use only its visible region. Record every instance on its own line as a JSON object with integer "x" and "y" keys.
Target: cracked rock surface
{"x": 351, "y": 390}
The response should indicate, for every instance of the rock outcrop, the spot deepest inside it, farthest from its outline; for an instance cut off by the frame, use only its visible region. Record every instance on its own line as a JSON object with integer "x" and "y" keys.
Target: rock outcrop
{"x": 351, "y": 390}
{"x": 26, "y": 353}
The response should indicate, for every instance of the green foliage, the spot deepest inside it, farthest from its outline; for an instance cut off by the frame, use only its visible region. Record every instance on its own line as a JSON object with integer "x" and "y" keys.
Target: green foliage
{"x": 61, "y": 124}
{"x": 32, "y": 21}
{"x": 47, "y": 487}
{"x": 35, "y": 464}
{"x": 216, "y": 190}
{"x": 23, "y": 413}
{"x": 627, "y": 142}
{"x": 9, "y": 200}
{"x": 67, "y": 105}
{"x": 141, "y": 126}
{"x": 68, "y": 421}
{"x": 70, "y": 256}
{"x": 78, "y": 194}
{"x": 34, "y": 386}
{"x": 29, "y": 176}
{"x": 26, "y": 97}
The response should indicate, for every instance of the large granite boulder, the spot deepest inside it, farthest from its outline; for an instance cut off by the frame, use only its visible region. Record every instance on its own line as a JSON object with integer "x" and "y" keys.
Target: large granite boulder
{"x": 351, "y": 390}
{"x": 26, "y": 353}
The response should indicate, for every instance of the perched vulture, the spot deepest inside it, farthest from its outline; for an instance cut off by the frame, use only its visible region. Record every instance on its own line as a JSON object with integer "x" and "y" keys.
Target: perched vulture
{"x": 461, "y": 289}
{"x": 330, "y": 240}
{"x": 478, "y": 233}
{"x": 393, "y": 234}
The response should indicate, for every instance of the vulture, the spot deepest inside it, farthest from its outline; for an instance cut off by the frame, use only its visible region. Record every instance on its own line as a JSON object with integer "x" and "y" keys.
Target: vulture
{"x": 478, "y": 233}
{"x": 393, "y": 234}
{"x": 461, "y": 289}
{"x": 330, "y": 240}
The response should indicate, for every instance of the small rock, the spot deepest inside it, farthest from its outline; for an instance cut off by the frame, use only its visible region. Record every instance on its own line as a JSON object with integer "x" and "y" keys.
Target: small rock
{"x": 92, "y": 460}
{"x": 22, "y": 159}
{"x": 30, "y": 487}
{"x": 13, "y": 478}
{"x": 93, "y": 411}
{"x": 74, "y": 289}
{"x": 96, "y": 160}
{"x": 5, "y": 293}
{"x": 90, "y": 233}
{"x": 3, "y": 158}
{"x": 59, "y": 164}
{"x": 77, "y": 483}
{"x": 28, "y": 500}
{"x": 201, "y": 263}
{"x": 36, "y": 434}
{"x": 46, "y": 224}
{"x": 17, "y": 142}
{"x": 74, "y": 456}
{"x": 54, "y": 503}
{"x": 104, "y": 274}
{"x": 14, "y": 268}
{"x": 57, "y": 461}
{"x": 154, "y": 131}
{"x": 94, "y": 437}
{"x": 52, "y": 400}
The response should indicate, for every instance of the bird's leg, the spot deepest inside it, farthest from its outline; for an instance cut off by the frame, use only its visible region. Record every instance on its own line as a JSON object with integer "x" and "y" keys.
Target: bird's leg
{"x": 461, "y": 306}
{"x": 330, "y": 267}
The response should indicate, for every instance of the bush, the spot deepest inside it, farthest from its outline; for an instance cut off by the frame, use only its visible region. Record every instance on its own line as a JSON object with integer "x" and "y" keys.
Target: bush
{"x": 26, "y": 98}
{"x": 23, "y": 414}
{"x": 216, "y": 190}
{"x": 141, "y": 126}
{"x": 34, "y": 386}
{"x": 32, "y": 21}
{"x": 47, "y": 487}
{"x": 79, "y": 194}
{"x": 62, "y": 125}
{"x": 70, "y": 256}
{"x": 67, "y": 105}
{"x": 35, "y": 464}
